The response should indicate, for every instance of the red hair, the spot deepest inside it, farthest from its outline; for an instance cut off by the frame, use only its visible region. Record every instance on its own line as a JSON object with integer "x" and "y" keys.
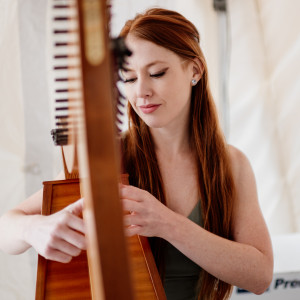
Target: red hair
{"x": 172, "y": 31}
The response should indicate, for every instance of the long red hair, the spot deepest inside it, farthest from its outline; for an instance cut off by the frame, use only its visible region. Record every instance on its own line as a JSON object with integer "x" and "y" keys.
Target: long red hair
{"x": 171, "y": 30}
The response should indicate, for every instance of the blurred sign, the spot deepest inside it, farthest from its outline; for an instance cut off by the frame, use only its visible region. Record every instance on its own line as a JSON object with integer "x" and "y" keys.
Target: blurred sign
{"x": 284, "y": 286}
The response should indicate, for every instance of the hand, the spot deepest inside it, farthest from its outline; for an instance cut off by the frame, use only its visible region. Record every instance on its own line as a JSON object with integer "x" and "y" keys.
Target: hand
{"x": 60, "y": 236}
{"x": 147, "y": 214}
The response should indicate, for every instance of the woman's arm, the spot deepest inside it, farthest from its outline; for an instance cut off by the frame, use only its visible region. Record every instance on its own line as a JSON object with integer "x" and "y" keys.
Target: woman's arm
{"x": 246, "y": 262}
{"x": 57, "y": 237}
{"x": 14, "y": 224}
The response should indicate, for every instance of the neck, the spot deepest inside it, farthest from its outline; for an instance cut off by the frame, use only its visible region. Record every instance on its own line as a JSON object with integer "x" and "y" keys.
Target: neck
{"x": 171, "y": 142}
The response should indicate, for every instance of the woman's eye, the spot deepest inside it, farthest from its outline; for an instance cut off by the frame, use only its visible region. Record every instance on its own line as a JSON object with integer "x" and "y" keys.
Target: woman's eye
{"x": 157, "y": 75}
{"x": 129, "y": 80}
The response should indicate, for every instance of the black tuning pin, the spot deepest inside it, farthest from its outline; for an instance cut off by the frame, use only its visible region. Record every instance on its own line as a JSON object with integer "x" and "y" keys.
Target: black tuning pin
{"x": 120, "y": 51}
{"x": 60, "y": 136}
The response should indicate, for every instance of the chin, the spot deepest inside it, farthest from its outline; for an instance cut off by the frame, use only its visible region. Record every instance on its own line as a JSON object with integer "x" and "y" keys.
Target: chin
{"x": 152, "y": 122}
{"x": 154, "y": 125}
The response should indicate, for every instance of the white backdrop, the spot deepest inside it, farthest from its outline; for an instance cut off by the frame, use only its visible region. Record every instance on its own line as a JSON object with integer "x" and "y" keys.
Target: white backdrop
{"x": 263, "y": 94}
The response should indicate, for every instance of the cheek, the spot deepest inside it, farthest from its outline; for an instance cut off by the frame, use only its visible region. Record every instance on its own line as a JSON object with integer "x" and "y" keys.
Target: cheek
{"x": 179, "y": 86}
{"x": 180, "y": 93}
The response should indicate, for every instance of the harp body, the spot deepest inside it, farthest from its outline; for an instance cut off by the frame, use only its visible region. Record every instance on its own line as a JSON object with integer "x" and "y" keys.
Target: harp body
{"x": 114, "y": 267}
{"x": 72, "y": 281}
{"x": 56, "y": 280}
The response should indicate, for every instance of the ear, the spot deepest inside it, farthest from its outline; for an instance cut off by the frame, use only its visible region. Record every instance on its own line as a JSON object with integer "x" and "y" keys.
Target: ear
{"x": 198, "y": 68}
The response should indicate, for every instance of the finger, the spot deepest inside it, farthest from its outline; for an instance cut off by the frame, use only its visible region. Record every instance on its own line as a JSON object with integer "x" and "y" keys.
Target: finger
{"x": 131, "y": 205}
{"x": 76, "y": 207}
{"x": 132, "y": 192}
{"x": 75, "y": 223}
{"x": 67, "y": 248}
{"x": 132, "y": 230}
{"x": 58, "y": 256}
{"x": 132, "y": 219}
{"x": 74, "y": 238}
{"x": 66, "y": 240}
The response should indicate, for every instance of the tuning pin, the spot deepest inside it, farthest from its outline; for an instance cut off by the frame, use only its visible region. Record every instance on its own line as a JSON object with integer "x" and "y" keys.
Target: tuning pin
{"x": 59, "y": 136}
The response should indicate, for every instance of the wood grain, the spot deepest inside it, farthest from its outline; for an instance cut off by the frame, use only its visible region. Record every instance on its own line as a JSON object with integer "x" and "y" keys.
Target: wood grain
{"x": 72, "y": 281}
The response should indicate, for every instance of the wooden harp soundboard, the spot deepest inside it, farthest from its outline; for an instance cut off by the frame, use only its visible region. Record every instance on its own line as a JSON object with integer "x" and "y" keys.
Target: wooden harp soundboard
{"x": 114, "y": 267}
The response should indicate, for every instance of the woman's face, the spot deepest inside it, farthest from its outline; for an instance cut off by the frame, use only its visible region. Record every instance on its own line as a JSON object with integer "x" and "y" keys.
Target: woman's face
{"x": 158, "y": 84}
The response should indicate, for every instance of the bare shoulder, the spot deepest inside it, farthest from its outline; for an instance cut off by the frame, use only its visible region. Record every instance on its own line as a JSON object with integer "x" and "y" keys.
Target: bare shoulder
{"x": 239, "y": 161}
{"x": 241, "y": 168}
{"x": 243, "y": 174}
{"x": 248, "y": 219}
{"x": 246, "y": 200}
{"x": 235, "y": 153}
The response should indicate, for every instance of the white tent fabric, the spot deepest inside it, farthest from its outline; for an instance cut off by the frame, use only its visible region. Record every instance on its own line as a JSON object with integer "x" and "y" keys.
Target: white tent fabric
{"x": 263, "y": 94}
{"x": 264, "y": 103}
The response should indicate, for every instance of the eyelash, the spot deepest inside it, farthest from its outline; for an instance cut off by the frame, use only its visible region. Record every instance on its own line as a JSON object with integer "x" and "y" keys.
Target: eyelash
{"x": 157, "y": 75}
{"x": 129, "y": 80}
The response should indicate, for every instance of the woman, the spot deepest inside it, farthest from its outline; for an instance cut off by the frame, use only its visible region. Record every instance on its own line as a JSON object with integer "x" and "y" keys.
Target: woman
{"x": 193, "y": 194}
{"x": 175, "y": 150}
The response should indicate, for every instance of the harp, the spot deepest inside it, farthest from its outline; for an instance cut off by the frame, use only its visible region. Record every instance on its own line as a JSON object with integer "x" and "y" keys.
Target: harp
{"x": 114, "y": 267}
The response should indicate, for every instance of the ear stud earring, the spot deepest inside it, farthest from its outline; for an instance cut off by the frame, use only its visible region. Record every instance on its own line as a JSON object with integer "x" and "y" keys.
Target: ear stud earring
{"x": 194, "y": 82}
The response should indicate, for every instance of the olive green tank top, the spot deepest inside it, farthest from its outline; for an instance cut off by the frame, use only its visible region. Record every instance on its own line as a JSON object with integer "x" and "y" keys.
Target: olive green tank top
{"x": 181, "y": 274}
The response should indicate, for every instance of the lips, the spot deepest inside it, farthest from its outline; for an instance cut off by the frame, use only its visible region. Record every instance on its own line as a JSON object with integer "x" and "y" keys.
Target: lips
{"x": 149, "y": 108}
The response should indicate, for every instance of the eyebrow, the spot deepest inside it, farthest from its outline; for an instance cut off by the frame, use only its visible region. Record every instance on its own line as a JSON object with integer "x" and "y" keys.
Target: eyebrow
{"x": 147, "y": 66}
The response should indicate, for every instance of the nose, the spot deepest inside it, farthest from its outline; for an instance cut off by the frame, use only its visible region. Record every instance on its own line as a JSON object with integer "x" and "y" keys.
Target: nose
{"x": 143, "y": 88}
